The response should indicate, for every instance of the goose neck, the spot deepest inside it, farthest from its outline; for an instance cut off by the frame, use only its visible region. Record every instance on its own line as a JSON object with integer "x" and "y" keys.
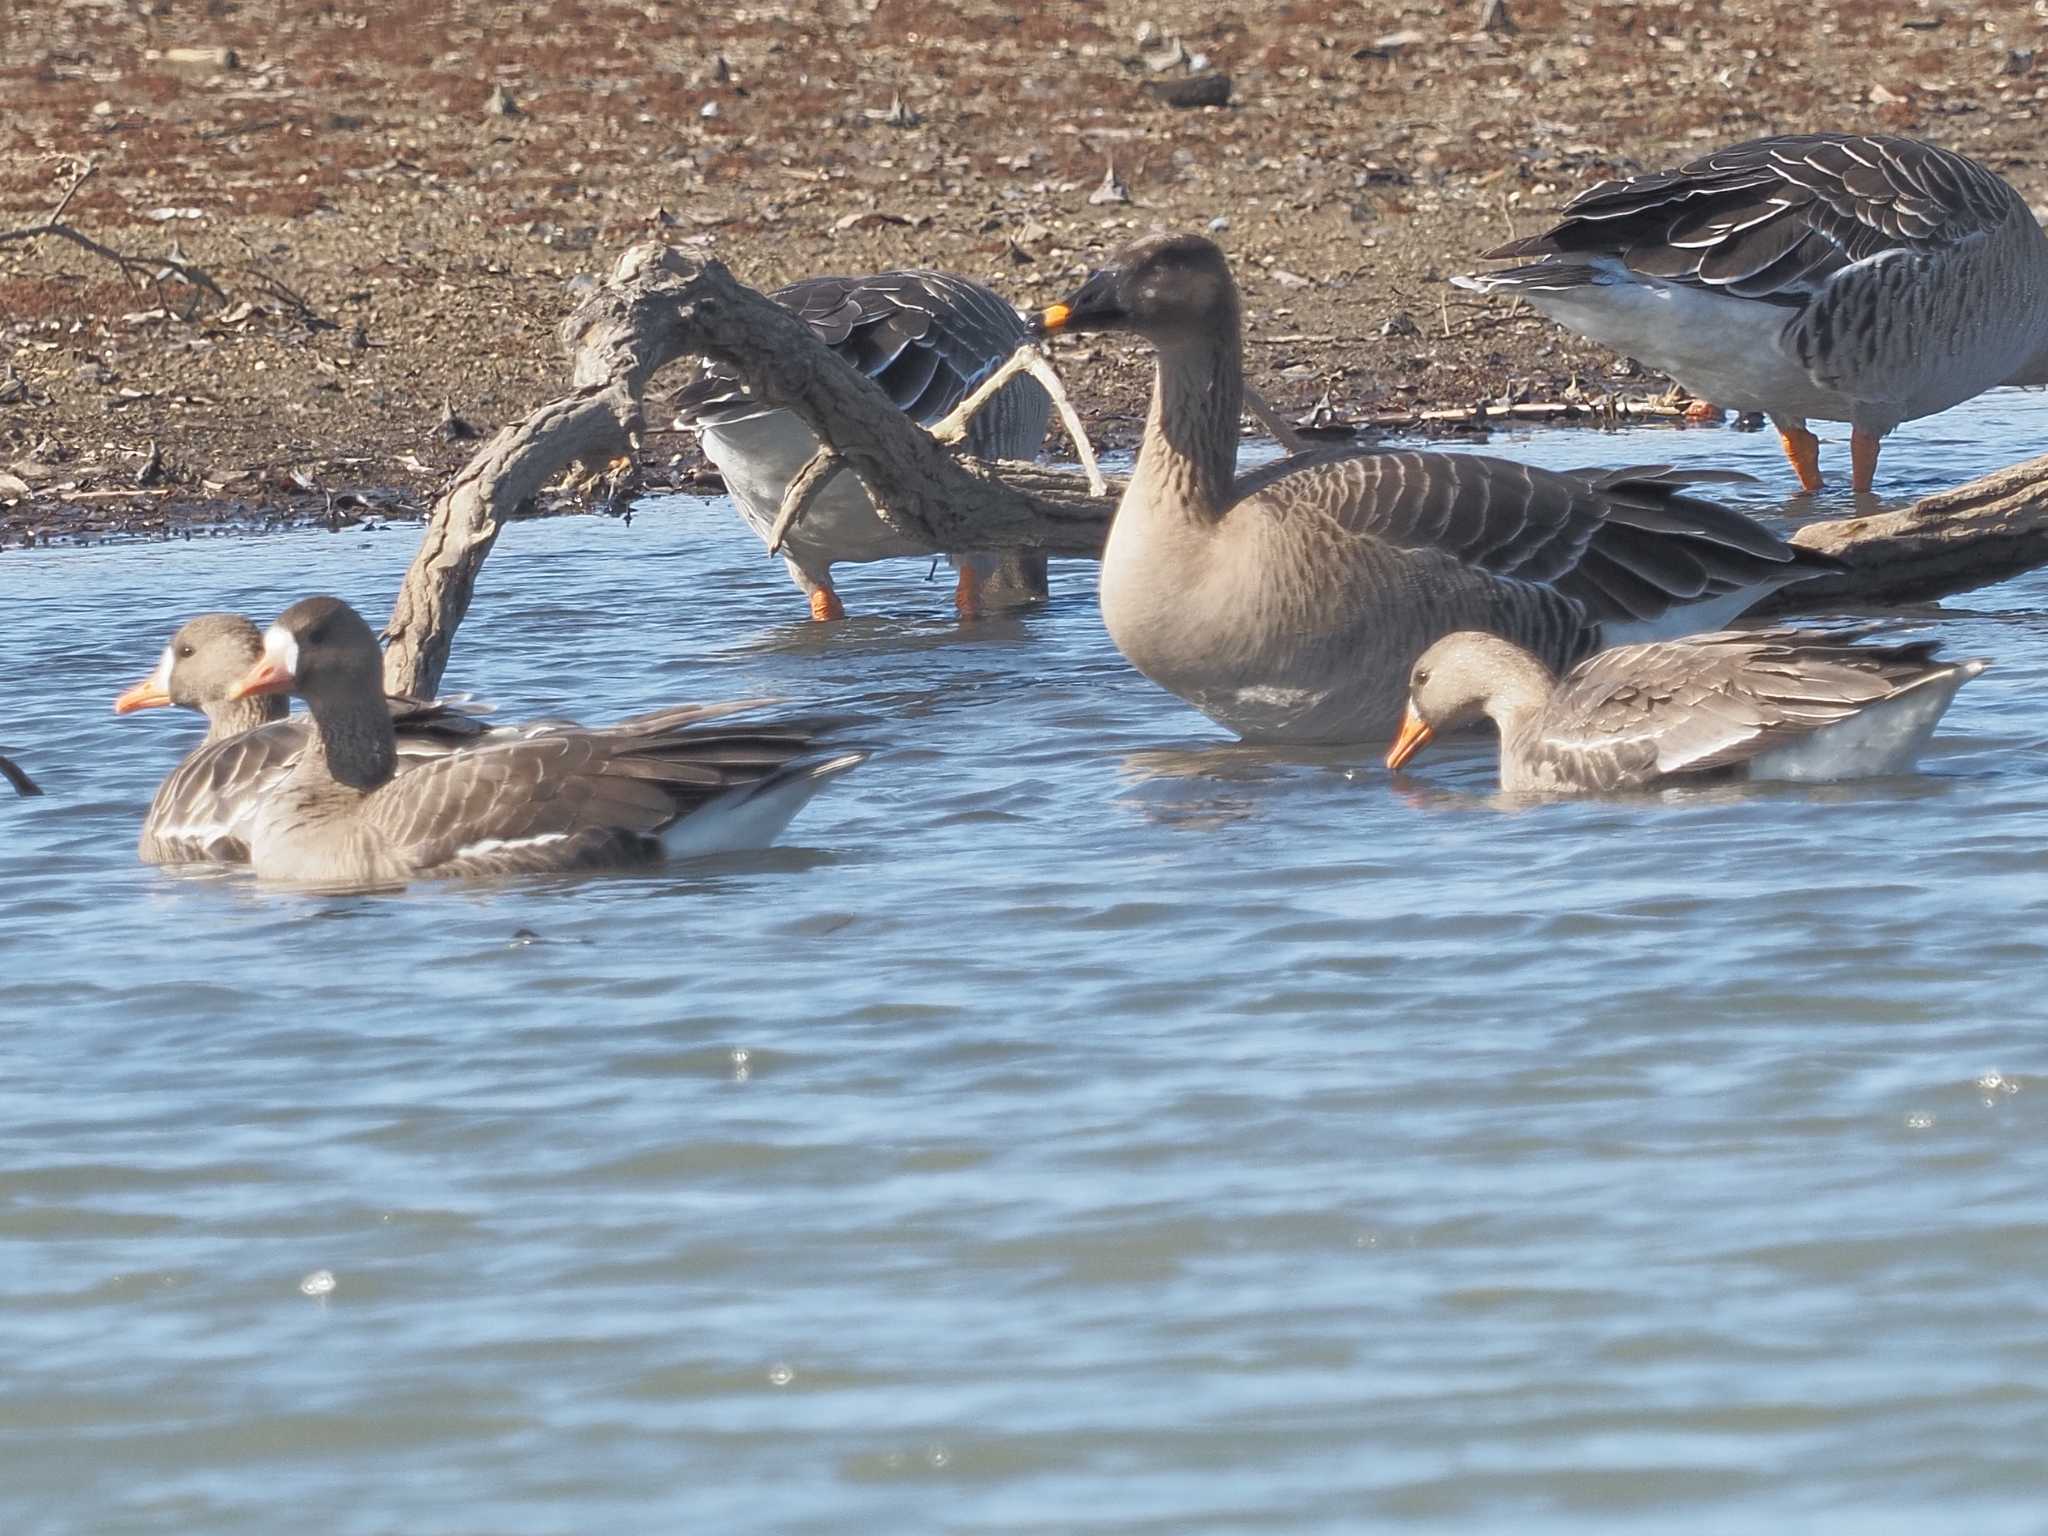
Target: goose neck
{"x": 231, "y": 717}
{"x": 1189, "y": 459}
{"x": 354, "y": 742}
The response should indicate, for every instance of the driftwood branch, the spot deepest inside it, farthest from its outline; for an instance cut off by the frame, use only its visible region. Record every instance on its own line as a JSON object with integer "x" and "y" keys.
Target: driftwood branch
{"x": 660, "y": 306}
{"x": 1976, "y": 534}
{"x": 1027, "y": 359}
{"x": 152, "y": 269}
{"x": 812, "y": 479}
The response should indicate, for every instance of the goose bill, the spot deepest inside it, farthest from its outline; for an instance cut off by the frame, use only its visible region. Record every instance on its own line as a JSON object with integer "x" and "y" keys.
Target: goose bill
{"x": 1415, "y": 735}
{"x": 267, "y": 676}
{"x": 147, "y": 694}
{"x": 1054, "y": 319}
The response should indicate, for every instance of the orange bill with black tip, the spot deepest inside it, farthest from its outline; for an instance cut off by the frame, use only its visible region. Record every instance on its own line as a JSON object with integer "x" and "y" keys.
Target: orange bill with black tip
{"x": 1415, "y": 735}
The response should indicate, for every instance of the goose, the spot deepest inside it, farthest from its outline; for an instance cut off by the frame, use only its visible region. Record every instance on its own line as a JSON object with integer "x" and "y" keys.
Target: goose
{"x": 928, "y": 338}
{"x": 204, "y": 810}
{"x": 1851, "y": 277}
{"x": 675, "y": 783}
{"x": 1287, "y": 604}
{"x": 1744, "y": 704}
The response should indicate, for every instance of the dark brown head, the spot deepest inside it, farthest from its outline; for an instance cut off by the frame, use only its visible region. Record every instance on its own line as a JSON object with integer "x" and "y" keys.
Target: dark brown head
{"x": 318, "y": 648}
{"x": 200, "y": 667}
{"x": 1167, "y": 288}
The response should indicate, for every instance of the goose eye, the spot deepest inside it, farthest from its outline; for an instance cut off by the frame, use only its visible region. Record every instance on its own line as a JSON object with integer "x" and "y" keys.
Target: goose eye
{"x": 316, "y": 635}
{"x": 1421, "y": 677}
{"x": 184, "y": 650}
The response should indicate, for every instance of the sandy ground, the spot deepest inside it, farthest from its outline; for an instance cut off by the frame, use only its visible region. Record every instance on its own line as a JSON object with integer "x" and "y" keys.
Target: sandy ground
{"x": 394, "y": 200}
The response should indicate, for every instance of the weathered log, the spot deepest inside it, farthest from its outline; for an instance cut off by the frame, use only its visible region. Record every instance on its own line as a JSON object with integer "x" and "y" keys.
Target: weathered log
{"x": 1992, "y": 528}
{"x": 658, "y": 307}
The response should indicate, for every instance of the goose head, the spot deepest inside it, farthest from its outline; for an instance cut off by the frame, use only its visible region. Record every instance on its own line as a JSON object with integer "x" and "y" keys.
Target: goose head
{"x": 319, "y": 648}
{"x": 1165, "y": 288}
{"x": 1459, "y": 678}
{"x": 199, "y": 667}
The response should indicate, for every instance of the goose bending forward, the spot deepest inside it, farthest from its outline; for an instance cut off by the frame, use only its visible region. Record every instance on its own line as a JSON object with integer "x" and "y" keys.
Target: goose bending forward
{"x": 1288, "y": 604}
{"x": 1753, "y": 704}
{"x": 205, "y": 809}
{"x": 1850, "y": 277}
{"x": 668, "y": 784}
{"x": 928, "y": 338}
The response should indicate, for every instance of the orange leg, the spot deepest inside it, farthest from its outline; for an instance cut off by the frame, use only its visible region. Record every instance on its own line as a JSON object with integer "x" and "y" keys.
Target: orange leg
{"x": 825, "y": 605}
{"x": 967, "y": 595}
{"x": 1863, "y": 448}
{"x": 1702, "y": 411}
{"x": 1803, "y": 449}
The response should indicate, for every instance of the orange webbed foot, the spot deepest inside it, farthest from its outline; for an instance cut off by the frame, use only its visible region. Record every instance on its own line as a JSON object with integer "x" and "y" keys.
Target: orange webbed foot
{"x": 825, "y": 605}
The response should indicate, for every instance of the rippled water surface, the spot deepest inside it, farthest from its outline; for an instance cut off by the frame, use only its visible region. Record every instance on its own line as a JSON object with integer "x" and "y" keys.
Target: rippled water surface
{"x": 1083, "y": 1125}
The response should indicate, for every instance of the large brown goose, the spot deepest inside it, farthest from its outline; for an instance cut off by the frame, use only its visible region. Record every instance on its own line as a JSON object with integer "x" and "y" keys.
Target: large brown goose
{"x": 1853, "y": 277}
{"x": 675, "y": 783}
{"x": 204, "y": 811}
{"x": 1289, "y": 604}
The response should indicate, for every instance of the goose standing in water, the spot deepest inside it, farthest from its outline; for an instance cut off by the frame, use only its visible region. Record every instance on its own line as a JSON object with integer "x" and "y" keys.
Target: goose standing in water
{"x": 204, "y": 811}
{"x": 1288, "y": 604}
{"x": 668, "y": 784}
{"x": 1850, "y": 277}
{"x": 1748, "y": 704}
{"x": 928, "y": 338}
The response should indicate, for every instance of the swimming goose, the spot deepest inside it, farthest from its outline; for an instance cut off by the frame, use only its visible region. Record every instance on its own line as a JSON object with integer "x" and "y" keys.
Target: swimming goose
{"x": 1745, "y": 704}
{"x": 1288, "y": 604}
{"x": 669, "y": 783}
{"x": 1851, "y": 277}
{"x": 928, "y": 338}
{"x": 204, "y": 811}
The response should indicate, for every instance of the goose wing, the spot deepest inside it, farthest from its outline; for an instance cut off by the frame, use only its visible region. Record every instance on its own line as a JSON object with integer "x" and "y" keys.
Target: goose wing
{"x": 1774, "y": 219}
{"x": 204, "y": 812}
{"x": 927, "y": 338}
{"x": 1691, "y": 706}
{"x": 1624, "y": 544}
{"x": 571, "y": 798}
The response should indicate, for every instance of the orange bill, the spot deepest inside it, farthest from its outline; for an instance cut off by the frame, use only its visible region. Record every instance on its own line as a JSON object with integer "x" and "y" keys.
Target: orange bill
{"x": 147, "y": 694}
{"x": 1413, "y": 738}
{"x": 266, "y": 676}
{"x": 1055, "y": 318}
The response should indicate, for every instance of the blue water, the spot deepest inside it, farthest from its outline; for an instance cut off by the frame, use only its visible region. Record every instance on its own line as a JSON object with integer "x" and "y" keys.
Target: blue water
{"x": 1082, "y": 1125}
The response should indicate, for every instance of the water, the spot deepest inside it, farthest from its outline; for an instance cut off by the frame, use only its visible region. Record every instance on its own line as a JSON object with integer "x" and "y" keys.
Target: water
{"x": 1084, "y": 1126}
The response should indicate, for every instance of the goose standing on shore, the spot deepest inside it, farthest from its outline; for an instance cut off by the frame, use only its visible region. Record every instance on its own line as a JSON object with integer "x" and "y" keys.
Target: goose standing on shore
{"x": 1744, "y": 704}
{"x": 1289, "y": 604}
{"x": 204, "y": 811}
{"x": 678, "y": 783}
{"x": 1850, "y": 277}
{"x": 928, "y": 338}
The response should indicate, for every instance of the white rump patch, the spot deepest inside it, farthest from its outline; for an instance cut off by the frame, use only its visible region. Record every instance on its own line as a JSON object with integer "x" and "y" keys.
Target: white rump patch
{"x": 281, "y": 648}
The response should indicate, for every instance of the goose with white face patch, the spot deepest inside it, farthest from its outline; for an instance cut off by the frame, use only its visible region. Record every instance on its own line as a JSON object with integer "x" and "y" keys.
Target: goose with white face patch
{"x": 676, "y": 783}
{"x": 1743, "y": 704}
{"x": 1288, "y": 604}
{"x": 927, "y": 339}
{"x": 1846, "y": 277}
{"x": 204, "y": 811}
